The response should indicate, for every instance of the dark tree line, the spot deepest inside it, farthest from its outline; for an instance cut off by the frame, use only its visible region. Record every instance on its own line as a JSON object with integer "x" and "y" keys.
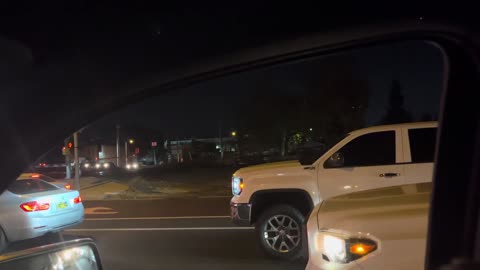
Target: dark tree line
{"x": 396, "y": 112}
{"x": 325, "y": 104}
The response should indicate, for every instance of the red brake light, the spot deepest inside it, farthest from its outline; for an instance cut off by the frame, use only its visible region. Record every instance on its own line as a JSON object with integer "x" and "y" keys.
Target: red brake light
{"x": 34, "y": 206}
{"x": 77, "y": 200}
{"x": 68, "y": 186}
{"x": 35, "y": 175}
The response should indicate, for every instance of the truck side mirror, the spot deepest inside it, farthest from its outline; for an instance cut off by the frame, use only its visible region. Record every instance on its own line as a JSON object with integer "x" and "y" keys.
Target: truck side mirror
{"x": 307, "y": 156}
{"x": 335, "y": 161}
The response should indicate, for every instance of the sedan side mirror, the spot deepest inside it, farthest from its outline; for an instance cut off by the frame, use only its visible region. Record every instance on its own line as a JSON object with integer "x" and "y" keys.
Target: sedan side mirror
{"x": 335, "y": 161}
{"x": 74, "y": 254}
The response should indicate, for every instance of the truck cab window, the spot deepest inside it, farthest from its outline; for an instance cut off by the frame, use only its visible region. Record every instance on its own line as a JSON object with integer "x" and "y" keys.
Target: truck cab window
{"x": 370, "y": 150}
{"x": 422, "y": 144}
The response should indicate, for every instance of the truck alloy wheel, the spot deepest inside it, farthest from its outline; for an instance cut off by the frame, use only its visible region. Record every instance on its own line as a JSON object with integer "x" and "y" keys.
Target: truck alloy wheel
{"x": 279, "y": 230}
{"x": 282, "y": 233}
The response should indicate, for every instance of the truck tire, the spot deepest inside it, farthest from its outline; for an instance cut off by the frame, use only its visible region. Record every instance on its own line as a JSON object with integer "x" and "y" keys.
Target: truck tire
{"x": 279, "y": 230}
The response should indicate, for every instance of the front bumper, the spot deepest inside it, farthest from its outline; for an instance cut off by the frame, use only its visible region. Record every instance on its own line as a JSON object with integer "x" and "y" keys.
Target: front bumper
{"x": 240, "y": 213}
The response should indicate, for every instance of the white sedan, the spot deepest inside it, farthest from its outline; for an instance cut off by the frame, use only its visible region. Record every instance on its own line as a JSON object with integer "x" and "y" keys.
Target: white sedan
{"x": 32, "y": 207}
{"x": 376, "y": 229}
{"x": 57, "y": 182}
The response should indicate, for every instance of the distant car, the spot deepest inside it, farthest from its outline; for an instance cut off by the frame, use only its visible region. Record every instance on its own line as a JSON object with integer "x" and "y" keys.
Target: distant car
{"x": 32, "y": 207}
{"x": 57, "y": 182}
{"x": 132, "y": 166}
{"x": 99, "y": 168}
{"x": 376, "y": 229}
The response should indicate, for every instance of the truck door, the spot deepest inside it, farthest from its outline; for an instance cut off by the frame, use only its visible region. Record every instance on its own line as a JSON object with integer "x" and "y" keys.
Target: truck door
{"x": 367, "y": 161}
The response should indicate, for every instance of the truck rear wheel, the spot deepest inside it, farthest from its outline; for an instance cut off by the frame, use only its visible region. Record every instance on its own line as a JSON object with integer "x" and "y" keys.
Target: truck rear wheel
{"x": 279, "y": 230}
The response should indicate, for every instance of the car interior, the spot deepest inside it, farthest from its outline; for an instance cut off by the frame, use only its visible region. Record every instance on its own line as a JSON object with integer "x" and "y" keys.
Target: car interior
{"x": 90, "y": 67}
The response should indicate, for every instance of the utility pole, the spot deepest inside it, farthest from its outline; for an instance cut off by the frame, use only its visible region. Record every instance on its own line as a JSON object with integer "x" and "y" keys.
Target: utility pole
{"x": 77, "y": 164}
{"x": 126, "y": 153}
{"x": 68, "y": 172}
{"x": 220, "y": 141}
{"x": 118, "y": 145}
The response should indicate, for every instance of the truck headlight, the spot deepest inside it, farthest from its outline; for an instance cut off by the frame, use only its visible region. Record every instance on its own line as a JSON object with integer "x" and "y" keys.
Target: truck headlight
{"x": 344, "y": 250}
{"x": 237, "y": 185}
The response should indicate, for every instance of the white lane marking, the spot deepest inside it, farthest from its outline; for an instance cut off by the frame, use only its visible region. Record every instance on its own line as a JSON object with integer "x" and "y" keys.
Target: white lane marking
{"x": 159, "y": 229}
{"x": 159, "y": 218}
{"x": 101, "y": 211}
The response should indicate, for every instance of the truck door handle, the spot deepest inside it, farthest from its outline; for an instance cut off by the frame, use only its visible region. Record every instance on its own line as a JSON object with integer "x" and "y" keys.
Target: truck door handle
{"x": 309, "y": 168}
{"x": 389, "y": 175}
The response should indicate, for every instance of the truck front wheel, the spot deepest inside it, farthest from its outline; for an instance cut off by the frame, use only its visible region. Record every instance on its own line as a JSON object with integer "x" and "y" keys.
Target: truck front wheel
{"x": 279, "y": 229}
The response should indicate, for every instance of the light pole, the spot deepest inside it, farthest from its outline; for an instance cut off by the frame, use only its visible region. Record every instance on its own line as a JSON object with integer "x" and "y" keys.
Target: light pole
{"x": 118, "y": 145}
{"x": 75, "y": 157}
{"x": 131, "y": 141}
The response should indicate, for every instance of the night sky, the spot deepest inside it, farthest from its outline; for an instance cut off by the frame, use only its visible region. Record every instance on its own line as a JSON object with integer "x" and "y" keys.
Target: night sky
{"x": 199, "y": 110}
{"x": 105, "y": 50}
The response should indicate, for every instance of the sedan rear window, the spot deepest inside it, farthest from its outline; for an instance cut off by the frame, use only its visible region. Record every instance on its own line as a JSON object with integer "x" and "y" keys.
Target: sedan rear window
{"x": 47, "y": 178}
{"x": 28, "y": 186}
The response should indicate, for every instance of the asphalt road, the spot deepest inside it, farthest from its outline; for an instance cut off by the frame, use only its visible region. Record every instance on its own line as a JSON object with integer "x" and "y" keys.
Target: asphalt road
{"x": 189, "y": 233}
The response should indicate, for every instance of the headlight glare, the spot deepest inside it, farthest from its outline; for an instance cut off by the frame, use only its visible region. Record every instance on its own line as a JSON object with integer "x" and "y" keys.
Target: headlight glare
{"x": 334, "y": 248}
{"x": 237, "y": 185}
{"x": 339, "y": 249}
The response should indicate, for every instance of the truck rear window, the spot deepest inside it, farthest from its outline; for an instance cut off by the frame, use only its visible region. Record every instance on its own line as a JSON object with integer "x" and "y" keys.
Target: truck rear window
{"x": 28, "y": 186}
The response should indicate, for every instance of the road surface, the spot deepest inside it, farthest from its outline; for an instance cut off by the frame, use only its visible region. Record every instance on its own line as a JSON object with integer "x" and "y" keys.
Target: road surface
{"x": 188, "y": 233}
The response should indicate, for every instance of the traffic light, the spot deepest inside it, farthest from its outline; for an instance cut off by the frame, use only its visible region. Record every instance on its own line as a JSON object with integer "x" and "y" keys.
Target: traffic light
{"x": 66, "y": 148}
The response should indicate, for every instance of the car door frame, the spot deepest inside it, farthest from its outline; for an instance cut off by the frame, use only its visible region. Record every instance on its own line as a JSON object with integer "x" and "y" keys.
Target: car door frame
{"x": 447, "y": 228}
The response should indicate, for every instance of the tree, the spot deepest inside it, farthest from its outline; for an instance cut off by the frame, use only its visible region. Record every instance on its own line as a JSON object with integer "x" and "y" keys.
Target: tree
{"x": 337, "y": 100}
{"x": 396, "y": 112}
{"x": 328, "y": 100}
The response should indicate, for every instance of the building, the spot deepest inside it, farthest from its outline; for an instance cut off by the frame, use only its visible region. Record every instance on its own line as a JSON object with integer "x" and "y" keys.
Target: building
{"x": 202, "y": 149}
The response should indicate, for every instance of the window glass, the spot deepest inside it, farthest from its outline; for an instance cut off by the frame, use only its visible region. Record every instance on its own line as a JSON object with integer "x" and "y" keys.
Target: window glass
{"x": 173, "y": 154}
{"x": 30, "y": 186}
{"x": 370, "y": 150}
{"x": 422, "y": 144}
{"x": 47, "y": 178}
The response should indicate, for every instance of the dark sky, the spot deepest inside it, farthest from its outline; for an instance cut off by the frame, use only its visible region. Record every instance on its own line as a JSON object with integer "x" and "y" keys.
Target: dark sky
{"x": 108, "y": 48}
{"x": 199, "y": 110}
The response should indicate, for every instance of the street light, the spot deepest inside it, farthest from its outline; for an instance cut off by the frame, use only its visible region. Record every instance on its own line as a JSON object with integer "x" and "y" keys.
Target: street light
{"x": 234, "y": 133}
{"x": 311, "y": 129}
{"x": 131, "y": 141}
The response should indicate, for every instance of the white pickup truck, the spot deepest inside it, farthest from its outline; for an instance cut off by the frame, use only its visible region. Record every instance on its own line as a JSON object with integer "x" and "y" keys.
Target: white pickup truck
{"x": 277, "y": 197}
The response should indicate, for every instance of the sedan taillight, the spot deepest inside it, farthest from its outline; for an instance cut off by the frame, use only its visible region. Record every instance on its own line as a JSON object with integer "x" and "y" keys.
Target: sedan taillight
{"x": 77, "y": 200}
{"x": 34, "y": 206}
